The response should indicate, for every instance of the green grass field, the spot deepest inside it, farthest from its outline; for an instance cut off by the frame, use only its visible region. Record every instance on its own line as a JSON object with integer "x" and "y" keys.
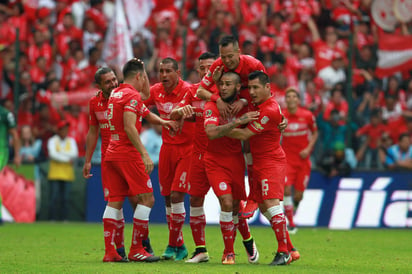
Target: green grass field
{"x": 78, "y": 248}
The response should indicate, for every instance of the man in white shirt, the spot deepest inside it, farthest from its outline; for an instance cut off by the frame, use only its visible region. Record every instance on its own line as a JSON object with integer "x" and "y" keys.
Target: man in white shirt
{"x": 335, "y": 73}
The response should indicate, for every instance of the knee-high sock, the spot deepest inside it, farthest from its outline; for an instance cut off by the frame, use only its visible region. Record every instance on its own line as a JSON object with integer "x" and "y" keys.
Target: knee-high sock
{"x": 288, "y": 204}
{"x": 111, "y": 220}
{"x": 140, "y": 227}
{"x": 227, "y": 227}
{"x": 177, "y": 219}
{"x": 197, "y": 225}
{"x": 278, "y": 222}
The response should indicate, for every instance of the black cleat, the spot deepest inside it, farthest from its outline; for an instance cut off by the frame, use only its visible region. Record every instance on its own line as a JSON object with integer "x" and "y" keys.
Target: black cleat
{"x": 147, "y": 246}
{"x": 122, "y": 252}
{"x": 251, "y": 250}
{"x": 282, "y": 258}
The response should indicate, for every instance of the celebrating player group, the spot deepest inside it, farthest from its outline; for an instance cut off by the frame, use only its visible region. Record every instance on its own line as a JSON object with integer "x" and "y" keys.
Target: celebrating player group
{"x": 209, "y": 129}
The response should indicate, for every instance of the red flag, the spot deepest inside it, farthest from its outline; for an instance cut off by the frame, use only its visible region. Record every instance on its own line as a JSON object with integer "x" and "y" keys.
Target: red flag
{"x": 117, "y": 48}
{"x": 394, "y": 54}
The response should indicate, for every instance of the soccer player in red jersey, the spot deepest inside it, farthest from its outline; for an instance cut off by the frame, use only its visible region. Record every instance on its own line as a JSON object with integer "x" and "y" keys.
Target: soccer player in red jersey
{"x": 199, "y": 185}
{"x": 106, "y": 80}
{"x": 174, "y": 157}
{"x": 230, "y": 60}
{"x": 298, "y": 141}
{"x": 269, "y": 162}
{"x": 127, "y": 162}
{"x": 225, "y": 167}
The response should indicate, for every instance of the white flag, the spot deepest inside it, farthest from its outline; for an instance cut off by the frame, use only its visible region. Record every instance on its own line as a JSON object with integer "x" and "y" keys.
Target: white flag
{"x": 138, "y": 12}
{"x": 117, "y": 48}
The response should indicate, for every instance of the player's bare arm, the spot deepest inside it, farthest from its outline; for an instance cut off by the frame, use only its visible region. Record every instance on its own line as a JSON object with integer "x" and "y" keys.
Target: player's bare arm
{"x": 240, "y": 133}
{"x": 185, "y": 112}
{"x": 283, "y": 124}
{"x": 214, "y": 132}
{"x": 306, "y": 151}
{"x": 91, "y": 141}
{"x": 129, "y": 119}
{"x": 237, "y": 106}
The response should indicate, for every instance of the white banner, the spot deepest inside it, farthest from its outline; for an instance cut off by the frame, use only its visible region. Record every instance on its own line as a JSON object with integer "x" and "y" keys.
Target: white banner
{"x": 117, "y": 48}
{"x": 138, "y": 12}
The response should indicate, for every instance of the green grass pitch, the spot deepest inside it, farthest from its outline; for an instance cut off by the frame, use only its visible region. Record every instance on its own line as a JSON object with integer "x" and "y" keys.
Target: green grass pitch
{"x": 78, "y": 248}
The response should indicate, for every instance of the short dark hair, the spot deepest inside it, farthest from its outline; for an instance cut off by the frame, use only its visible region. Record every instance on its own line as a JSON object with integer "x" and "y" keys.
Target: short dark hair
{"x": 263, "y": 77}
{"x": 234, "y": 75}
{"x": 403, "y": 135}
{"x": 207, "y": 55}
{"x": 228, "y": 39}
{"x": 100, "y": 72}
{"x": 132, "y": 67}
{"x": 169, "y": 60}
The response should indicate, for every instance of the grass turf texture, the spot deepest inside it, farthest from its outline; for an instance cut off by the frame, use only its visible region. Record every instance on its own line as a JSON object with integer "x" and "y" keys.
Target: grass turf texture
{"x": 78, "y": 248}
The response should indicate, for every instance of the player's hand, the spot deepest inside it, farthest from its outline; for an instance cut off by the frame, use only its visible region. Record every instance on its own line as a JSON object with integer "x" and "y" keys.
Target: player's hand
{"x": 282, "y": 126}
{"x": 172, "y": 126}
{"x": 148, "y": 163}
{"x": 217, "y": 73}
{"x": 224, "y": 108}
{"x": 236, "y": 107}
{"x": 248, "y": 117}
{"x": 304, "y": 153}
{"x": 86, "y": 170}
{"x": 186, "y": 111}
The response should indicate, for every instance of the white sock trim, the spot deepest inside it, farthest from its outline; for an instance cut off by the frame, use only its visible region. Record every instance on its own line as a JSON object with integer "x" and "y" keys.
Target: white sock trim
{"x": 111, "y": 213}
{"x": 142, "y": 212}
{"x": 226, "y": 216}
{"x": 168, "y": 210}
{"x": 275, "y": 210}
{"x": 178, "y": 208}
{"x": 287, "y": 201}
{"x": 196, "y": 211}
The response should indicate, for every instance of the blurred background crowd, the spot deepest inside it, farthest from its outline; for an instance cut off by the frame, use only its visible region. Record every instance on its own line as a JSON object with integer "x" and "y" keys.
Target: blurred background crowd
{"x": 53, "y": 47}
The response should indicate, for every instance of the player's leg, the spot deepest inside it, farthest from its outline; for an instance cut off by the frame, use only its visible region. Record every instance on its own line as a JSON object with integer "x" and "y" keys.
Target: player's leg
{"x": 112, "y": 214}
{"x": 133, "y": 200}
{"x": 291, "y": 178}
{"x": 227, "y": 226}
{"x": 139, "y": 185}
{"x": 179, "y": 189}
{"x": 199, "y": 186}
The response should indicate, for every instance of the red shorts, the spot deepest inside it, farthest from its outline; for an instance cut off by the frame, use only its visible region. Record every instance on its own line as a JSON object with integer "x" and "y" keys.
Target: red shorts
{"x": 226, "y": 174}
{"x": 298, "y": 174}
{"x": 198, "y": 182}
{"x": 268, "y": 182}
{"x": 104, "y": 179}
{"x": 174, "y": 164}
{"x": 127, "y": 178}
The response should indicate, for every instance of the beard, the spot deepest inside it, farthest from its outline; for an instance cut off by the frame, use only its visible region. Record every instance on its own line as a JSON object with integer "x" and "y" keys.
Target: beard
{"x": 229, "y": 99}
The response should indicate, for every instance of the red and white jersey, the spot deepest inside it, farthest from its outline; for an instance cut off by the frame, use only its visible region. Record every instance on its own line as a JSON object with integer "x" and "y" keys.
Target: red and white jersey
{"x": 98, "y": 117}
{"x": 200, "y": 140}
{"x": 296, "y": 135}
{"x": 246, "y": 65}
{"x": 223, "y": 145}
{"x": 265, "y": 144}
{"x": 124, "y": 98}
{"x": 324, "y": 54}
{"x": 165, "y": 103}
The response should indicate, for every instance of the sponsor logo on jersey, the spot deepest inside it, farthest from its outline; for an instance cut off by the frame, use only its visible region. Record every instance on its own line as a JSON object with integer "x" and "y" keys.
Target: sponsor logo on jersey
{"x": 257, "y": 126}
{"x": 208, "y": 113}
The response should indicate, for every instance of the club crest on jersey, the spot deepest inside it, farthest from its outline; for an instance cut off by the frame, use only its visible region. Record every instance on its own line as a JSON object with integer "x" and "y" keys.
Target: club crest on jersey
{"x": 167, "y": 107}
{"x": 133, "y": 102}
{"x": 264, "y": 120}
{"x": 223, "y": 186}
{"x": 208, "y": 113}
{"x": 209, "y": 73}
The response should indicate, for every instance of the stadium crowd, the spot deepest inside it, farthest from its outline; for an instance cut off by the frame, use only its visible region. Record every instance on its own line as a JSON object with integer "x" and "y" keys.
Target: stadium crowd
{"x": 301, "y": 43}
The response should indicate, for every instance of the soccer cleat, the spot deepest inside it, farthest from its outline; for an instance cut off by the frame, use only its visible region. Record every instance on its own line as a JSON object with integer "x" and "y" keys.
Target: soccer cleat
{"x": 181, "y": 253}
{"x": 114, "y": 258}
{"x": 292, "y": 230}
{"x": 228, "y": 258}
{"x": 142, "y": 256}
{"x": 282, "y": 258}
{"x": 251, "y": 250}
{"x": 247, "y": 211}
{"x": 295, "y": 255}
{"x": 199, "y": 256}
{"x": 147, "y": 246}
{"x": 121, "y": 252}
{"x": 169, "y": 253}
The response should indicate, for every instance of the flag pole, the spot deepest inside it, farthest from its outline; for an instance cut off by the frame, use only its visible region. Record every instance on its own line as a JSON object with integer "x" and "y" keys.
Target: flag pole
{"x": 16, "y": 84}
{"x": 349, "y": 87}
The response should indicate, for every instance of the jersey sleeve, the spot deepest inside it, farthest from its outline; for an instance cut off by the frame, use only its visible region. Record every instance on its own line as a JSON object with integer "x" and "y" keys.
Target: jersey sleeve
{"x": 268, "y": 120}
{"x": 312, "y": 122}
{"x": 207, "y": 81}
{"x": 187, "y": 100}
{"x": 92, "y": 115}
{"x": 144, "y": 111}
{"x": 133, "y": 103}
{"x": 211, "y": 114}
